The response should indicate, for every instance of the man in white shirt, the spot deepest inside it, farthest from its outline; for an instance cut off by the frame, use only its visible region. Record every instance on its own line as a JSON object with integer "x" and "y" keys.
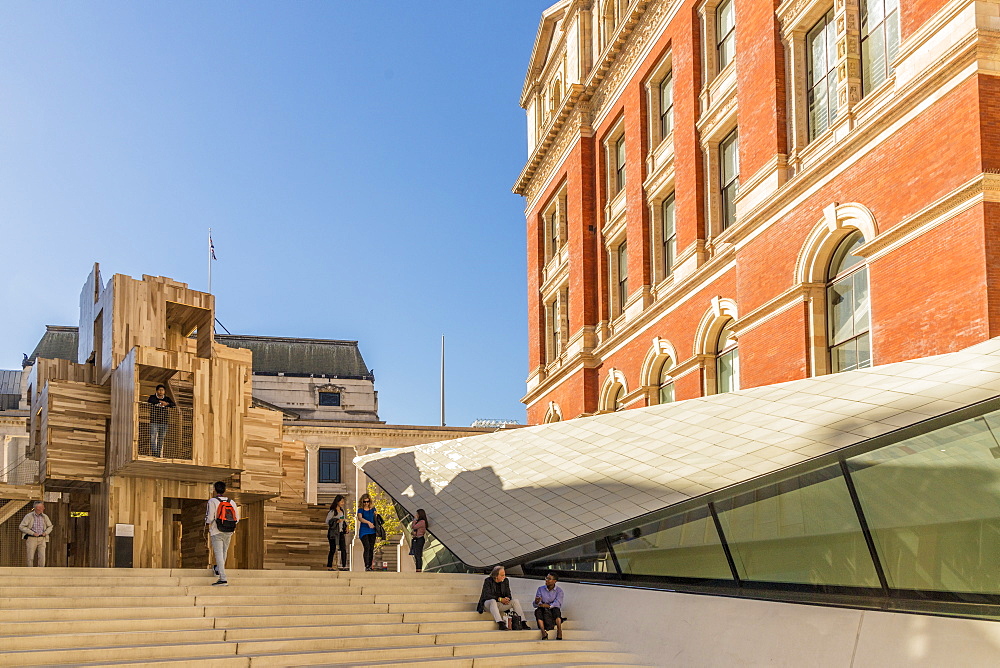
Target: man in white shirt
{"x": 36, "y": 527}
{"x": 217, "y": 535}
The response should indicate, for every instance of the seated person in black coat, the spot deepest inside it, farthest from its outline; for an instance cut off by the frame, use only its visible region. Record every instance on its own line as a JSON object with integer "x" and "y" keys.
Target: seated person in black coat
{"x": 496, "y": 598}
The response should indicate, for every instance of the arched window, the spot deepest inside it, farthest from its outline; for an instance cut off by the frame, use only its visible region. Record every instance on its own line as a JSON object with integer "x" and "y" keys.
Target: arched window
{"x": 848, "y": 308}
{"x": 618, "y": 396}
{"x": 666, "y": 382}
{"x": 727, "y": 361}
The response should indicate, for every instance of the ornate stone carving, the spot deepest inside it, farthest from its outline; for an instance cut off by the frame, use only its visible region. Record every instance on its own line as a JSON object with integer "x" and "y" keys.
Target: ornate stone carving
{"x": 566, "y": 136}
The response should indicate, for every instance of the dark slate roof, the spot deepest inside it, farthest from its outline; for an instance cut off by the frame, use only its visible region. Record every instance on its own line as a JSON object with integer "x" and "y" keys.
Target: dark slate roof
{"x": 273, "y": 355}
{"x": 58, "y": 342}
{"x": 257, "y": 402}
{"x": 10, "y": 381}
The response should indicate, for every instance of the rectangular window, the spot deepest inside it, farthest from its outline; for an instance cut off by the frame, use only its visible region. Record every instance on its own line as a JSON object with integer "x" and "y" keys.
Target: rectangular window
{"x": 669, "y": 233}
{"x": 619, "y": 164}
{"x": 329, "y": 465}
{"x": 329, "y": 398}
{"x": 622, "y": 276}
{"x": 729, "y": 167}
{"x": 850, "y": 345}
{"x": 725, "y": 33}
{"x": 554, "y": 231}
{"x": 821, "y": 75}
{"x": 879, "y": 41}
{"x": 555, "y": 329}
{"x": 667, "y": 105}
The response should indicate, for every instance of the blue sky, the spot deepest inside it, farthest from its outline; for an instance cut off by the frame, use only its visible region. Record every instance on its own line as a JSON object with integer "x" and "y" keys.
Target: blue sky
{"x": 353, "y": 159}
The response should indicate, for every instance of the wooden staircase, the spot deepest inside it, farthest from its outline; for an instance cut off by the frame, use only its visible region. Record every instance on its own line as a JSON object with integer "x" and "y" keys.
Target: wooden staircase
{"x": 174, "y": 617}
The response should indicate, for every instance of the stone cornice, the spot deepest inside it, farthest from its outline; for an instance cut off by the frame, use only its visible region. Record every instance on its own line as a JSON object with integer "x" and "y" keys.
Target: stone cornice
{"x": 614, "y": 65}
{"x": 984, "y": 187}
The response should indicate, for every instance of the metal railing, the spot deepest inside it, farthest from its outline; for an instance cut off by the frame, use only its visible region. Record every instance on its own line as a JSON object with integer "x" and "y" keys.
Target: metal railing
{"x": 164, "y": 432}
{"x": 23, "y": 471}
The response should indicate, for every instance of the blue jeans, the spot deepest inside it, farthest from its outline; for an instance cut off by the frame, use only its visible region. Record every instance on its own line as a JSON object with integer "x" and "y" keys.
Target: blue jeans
{"x": 157, "y": 434}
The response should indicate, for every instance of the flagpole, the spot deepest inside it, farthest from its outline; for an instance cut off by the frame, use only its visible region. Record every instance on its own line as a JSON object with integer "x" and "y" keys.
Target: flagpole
{"x": 442, "y": 380}
{"x": 210, "y": 260}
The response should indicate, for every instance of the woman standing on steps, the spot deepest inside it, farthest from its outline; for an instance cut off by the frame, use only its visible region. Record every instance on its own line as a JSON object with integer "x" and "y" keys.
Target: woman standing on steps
{"x": 336, "y": 526}
{"x": 420, "y": 526}
{"x": 366, "y": 528}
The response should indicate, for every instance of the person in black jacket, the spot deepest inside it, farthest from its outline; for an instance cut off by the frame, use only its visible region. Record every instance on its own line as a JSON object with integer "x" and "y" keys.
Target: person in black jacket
{"x": 159, "y": 419}
{"x": 496, "y": 598}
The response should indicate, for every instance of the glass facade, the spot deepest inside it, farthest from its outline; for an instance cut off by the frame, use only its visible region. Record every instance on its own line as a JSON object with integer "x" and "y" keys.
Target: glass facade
{"x": 913, "y": 524}
{"x": 685, "y": 545}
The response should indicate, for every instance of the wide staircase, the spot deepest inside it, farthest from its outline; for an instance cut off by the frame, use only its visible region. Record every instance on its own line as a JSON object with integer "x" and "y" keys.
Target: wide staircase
{"x": 174, "y": 617}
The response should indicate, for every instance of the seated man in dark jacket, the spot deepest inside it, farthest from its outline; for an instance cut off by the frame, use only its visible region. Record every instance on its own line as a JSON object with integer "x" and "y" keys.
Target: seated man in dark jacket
{"x": 496, "y": 598}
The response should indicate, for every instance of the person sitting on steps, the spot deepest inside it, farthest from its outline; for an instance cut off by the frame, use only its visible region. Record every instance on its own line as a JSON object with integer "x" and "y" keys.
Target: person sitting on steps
{"x": 548, "y": 603}
{"x": 496, "y": 598}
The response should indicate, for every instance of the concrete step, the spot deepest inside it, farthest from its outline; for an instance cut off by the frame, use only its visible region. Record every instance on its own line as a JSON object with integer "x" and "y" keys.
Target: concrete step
{"x": 33, "y": 628}
{"x": 320, "y": 632}
{"x": 296, "y": 645}
{"x": 223, "y": 596}
{"x": 435, "y": 607}
{"x": 365, "y": 657}
{"x": 564, "y": 658}
{"x": 257, "y": 621}
{"x": 233, "y": 610}
{"x": 78, "y": 656}
{"x": 468, "y": 613}
{"x": 99, "y": 602}
{"x": 472, "y": 599}
{"x": 110, "y": 639}
{"x": 96, "y": 614}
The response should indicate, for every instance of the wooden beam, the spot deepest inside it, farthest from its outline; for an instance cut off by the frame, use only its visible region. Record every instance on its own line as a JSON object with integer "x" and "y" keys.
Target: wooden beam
{"x": 9, "y": 509}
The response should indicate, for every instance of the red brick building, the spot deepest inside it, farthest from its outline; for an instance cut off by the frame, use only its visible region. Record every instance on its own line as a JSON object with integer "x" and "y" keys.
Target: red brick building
{"x": 726, "y": 194}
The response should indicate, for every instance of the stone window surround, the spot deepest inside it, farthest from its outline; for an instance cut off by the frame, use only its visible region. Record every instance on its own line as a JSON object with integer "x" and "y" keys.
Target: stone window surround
{"x": 796, "y": 22}
{"x": 615, "y": 235}
{"x": 557, "y": 295}
{"x": 710, "y": 144}
{"x": 653, "y": 98}
{"x": 610, "y": 17}
{"x": 553, "y": 414}
{"x": 839, "y": 221}
{"x": 709, "y": 53}
{"x": 611, "y": 140}
{"x": 311, "y": 491}
{"x": 557, "y": 205}
{"x": 721, "y": 312}
{"x": 656, "y": 198}
{"x": 614, "y": 391}
{"x": 661, "y": 352}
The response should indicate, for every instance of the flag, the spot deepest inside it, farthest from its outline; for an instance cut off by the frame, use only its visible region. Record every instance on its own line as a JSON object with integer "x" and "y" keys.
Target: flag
{"x": 211, "y": 247}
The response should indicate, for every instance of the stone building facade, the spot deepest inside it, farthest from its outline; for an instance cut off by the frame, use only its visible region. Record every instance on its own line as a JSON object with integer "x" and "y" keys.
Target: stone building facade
{"x": 727, "y": 194}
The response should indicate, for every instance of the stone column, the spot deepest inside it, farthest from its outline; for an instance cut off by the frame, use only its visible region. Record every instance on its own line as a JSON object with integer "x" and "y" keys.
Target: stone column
{"x": 847, "y": 17}
{"x": 312, "y": 473}
{"x": 360, "y": 487}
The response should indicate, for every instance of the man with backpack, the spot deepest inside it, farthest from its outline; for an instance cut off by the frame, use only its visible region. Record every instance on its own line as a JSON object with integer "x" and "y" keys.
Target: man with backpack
{"x": 221, "y": 517}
